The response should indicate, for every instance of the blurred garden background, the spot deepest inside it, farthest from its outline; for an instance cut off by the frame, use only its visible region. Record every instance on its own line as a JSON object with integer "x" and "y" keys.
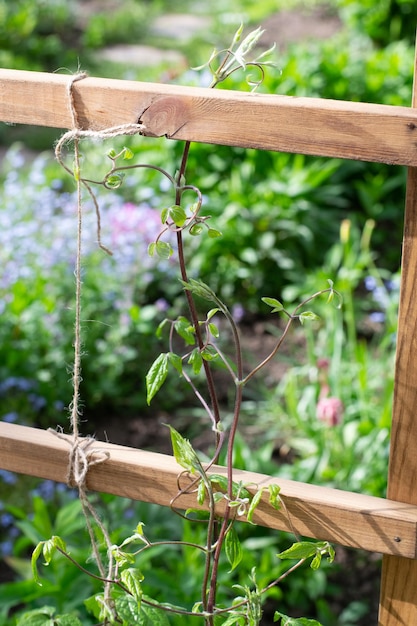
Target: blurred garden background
{"x": 289, "y": 223}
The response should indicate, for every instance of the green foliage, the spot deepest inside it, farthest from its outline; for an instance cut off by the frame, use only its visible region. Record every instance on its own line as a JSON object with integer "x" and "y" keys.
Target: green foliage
{"x": 274, "y": 218}
{"x": 128, "y": 24}
{"x": 33, "y": 34}
{"x": 47, "y": 616}
{"x": 384, "y": 21}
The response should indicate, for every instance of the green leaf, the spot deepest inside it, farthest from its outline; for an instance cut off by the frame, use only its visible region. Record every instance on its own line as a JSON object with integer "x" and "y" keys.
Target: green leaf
{"x": 307, "y": 549}
{"x": 163, "y": 249}
{"x": 299, "y": 550}
{"x": 122, "y": 558}
{"x": 294, "y": 621}
{"x": 196, "y": 360}
{"x": 127, "y": 154}
{"x": 67, "y": 620}
{"x": 156, "y": 376}
{"x": 178, "y": 215}
{"x": 212, "y": 313}
{"x": 185, "y": 330}
{"x": 112, "y": 154}
{"x": 34, "y": 560}
{"x": 132, "y": 578}
{"x": 184, "y": 453}
{"x": 238, "y": 490}
{"x": 128, "y": 609}
{"x": 37, "y": 617}
{"x": 160, "y": 328}
{"x": 233, "y": 548}
{"x": 198, "y": 288}
{"x": 114, "y": 181}
{"x": 151, "y": 616}
{"x": 275, "y": 304}
{"x": 274, "y": 497}
{"x": 50, "y": 546}
{"x": 164, "y": 215}
{"x": 176, "y": 361}
{"x": 209, "y": 353}
{"x": 213, "y": 330}
{"x": 201, "y": 492}
{"x": 253, "y": 505}
{"x": 213, "y": 233}
{"x": 94, "y": 605}
{"x": 196, "y": 229}
{"x": 308, "y": 316}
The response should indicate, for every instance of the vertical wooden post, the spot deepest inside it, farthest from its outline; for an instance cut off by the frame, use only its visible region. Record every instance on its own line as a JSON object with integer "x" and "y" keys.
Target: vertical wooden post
{"x": 398, "y": 602}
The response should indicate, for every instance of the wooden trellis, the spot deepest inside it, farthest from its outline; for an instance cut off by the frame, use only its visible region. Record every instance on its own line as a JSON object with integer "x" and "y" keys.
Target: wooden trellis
{"x": 350, "y": 130}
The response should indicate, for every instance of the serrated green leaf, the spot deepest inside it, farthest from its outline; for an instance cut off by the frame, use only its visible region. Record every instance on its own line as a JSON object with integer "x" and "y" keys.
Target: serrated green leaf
{"x": 156, "y": 376}
{"x": 152, "y": 248}
{"x": 276, "y": 305}
{"x": 111, "y": 153}
{"x": 233, "y": 548}
{"x": 132, "y": 579}
{"x": 129, "y": 609}
{"x": 151, "y": 616}
{"x": 122, "y": 558}
{"x": 196, "y": 360}
{"x": 163, "y": 249}
{"x": 184, "y": 453}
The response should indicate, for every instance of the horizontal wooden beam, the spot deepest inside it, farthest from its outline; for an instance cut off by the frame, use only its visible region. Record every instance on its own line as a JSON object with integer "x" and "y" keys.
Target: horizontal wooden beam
{"x": 331, "y": 128}
{"x": 345, "y": 518}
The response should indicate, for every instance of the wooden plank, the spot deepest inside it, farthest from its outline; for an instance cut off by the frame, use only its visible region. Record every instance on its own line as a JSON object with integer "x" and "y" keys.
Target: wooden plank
{"x": 344, "y": 518}
{"x": 398, "y": 602}
{"x": 351, "y": 130}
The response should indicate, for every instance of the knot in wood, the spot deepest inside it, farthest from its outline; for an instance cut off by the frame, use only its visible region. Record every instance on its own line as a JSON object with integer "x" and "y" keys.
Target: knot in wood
{"x": 165, "y": 116}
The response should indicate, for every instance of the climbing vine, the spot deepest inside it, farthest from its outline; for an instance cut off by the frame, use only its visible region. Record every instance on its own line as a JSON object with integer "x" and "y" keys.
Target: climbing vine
{"x": 123, "y": 599}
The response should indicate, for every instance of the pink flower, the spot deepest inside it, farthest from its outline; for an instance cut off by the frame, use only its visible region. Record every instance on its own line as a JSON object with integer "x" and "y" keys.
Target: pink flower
{"x": 330, "y": 410}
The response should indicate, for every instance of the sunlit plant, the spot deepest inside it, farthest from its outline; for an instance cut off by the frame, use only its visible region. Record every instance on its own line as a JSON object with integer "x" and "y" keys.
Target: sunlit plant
{"x": 124, "y": 599}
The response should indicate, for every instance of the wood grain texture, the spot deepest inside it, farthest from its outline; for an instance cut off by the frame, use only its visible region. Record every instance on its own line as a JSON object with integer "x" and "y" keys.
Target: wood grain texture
{"x": 344, "y": 518}
{"x": 351, "y": 130}
{"x": 398, "y": 602}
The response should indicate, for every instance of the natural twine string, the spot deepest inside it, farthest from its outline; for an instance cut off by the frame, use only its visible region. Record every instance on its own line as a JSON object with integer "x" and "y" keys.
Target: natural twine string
{"x": 82, "y": 456}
